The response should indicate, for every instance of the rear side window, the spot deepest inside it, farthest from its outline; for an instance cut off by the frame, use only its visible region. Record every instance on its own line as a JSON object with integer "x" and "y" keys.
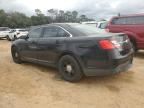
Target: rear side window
{"x": 35, "y": 33}
{"x": 50, "y": 32}
{"x": 54, "y": 32}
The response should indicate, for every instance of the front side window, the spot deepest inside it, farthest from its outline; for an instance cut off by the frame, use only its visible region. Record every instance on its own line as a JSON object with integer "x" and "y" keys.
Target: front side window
{"x": 35, "y": 33}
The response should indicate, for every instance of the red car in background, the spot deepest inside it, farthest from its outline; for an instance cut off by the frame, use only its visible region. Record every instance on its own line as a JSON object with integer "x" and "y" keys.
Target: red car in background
{"x": 132, "y": 25}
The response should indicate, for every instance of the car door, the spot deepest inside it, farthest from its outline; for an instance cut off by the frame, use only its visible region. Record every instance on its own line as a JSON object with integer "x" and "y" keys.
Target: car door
{"x": 118, "y": 25}
{"x": 51, "y": 43}
{"x": 30, "y": 48}
{"x": 138, "y": 29}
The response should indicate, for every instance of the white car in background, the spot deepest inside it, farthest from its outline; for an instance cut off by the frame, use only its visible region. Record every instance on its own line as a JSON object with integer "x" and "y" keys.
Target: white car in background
{"x": 90, "y": 23}
{"x": 4, "y": 32}
{"x": 101, "y": 24}
{"x": 16, "y": 33}
{"x": 97, "y": 24}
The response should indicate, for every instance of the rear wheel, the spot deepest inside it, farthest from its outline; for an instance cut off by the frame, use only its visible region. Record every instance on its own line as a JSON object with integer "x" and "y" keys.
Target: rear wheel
{"x": 69, "y": 69}
{"x": 15, "y": 55}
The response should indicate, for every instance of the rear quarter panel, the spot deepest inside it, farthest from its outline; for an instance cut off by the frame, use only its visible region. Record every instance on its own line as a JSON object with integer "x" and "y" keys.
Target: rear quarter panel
{"x": 88, "y": 52}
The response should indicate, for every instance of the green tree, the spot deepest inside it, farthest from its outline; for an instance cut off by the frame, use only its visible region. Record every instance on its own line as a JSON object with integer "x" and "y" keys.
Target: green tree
{"x": 61, "y": 13}
{"x": 74, "y": 15}
{"x": 68, "y": 16}
{"x": 3, "y": 17}
{"x": 40, "y": 18}
{"x": 83, "y": 18}
{"x": 16, "y": 19}
{"x": 39, "y": 12}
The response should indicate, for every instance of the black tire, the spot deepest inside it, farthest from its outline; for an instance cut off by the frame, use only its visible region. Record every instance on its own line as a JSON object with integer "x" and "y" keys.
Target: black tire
{"x": 15, "y": 55}
{"x": 72, "y": 75}
{"x": 15, "y": 37}
{"x": 8, "y": 38}
{"x": 134, "y": 47}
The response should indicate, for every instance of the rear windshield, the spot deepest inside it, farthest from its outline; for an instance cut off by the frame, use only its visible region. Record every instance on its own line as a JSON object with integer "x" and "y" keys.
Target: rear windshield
{"x": 84, "y": 30}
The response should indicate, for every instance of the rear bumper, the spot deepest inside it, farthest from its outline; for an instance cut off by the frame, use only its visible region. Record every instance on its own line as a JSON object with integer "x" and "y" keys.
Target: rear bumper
{"x": 102, "y": 72}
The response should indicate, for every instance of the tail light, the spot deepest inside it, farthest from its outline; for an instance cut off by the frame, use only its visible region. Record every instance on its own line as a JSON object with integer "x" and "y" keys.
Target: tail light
{"x": 106, "y": 45}
{"x": 109, "y": 45}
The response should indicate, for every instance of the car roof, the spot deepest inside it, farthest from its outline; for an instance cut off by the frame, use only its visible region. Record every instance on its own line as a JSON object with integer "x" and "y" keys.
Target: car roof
{"x": 69, "y": 27}
{"x": 130, "y": 15}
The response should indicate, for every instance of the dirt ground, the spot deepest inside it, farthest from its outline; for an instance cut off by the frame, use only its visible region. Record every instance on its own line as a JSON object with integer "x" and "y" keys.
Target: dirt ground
{"x": 31, "y": 86}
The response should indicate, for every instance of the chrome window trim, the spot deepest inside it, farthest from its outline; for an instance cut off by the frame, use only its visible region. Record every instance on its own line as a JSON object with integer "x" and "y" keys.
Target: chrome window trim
{"x": 70, "y": 35}
{"x": 65, "y": 30}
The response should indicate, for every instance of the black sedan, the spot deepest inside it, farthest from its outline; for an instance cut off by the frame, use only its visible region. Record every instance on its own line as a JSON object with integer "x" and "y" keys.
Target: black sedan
{"x": 75, "y": 49}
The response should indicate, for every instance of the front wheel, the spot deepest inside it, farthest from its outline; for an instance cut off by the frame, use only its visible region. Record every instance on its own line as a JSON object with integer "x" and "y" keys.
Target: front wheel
{"x": 15, "y": 55}
{"x": 70, "y": 69}
{"x": 134, "y": 47}
{"x": 15, "y": 37}
{"x": 8, "y": 38}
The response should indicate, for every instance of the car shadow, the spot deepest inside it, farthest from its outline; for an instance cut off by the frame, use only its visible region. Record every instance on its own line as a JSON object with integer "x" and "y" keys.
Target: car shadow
{"x": 40, "y": 67}
{"x": 111, "y": 82}
{"x": 140, "y": 54}
{"x": 44, "y": 69}
{"x": 2, "y": 39}
{"x": 107, "y": 81}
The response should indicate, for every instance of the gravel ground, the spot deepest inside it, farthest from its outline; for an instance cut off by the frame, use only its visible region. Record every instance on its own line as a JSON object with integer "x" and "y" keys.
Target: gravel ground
{"x": 32, "y": 86}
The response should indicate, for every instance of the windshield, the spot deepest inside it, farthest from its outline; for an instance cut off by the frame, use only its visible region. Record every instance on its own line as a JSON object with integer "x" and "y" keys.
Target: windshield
{"x": 103, "y": 25}
{"x": 12, "y": 31}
